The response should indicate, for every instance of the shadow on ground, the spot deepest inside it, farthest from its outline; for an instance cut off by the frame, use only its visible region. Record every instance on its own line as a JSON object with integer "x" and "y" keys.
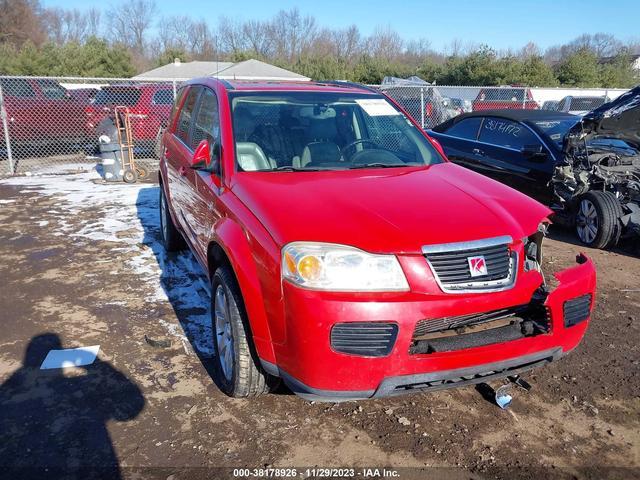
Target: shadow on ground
{"x": 54, "y": 422}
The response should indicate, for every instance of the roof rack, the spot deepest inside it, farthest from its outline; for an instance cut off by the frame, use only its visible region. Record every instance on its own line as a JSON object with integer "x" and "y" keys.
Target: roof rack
{"x": 346, "y": 84}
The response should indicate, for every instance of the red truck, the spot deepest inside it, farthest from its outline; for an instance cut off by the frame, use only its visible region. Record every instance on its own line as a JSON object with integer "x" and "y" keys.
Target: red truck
{"x": 518, "y": 98}
{"x": 347, "y": 256}
{"x": 150, "y": 105}
{"x": 42, "y": 113}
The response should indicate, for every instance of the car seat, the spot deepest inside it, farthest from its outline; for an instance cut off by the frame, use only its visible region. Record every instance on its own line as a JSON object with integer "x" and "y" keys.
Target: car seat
{"x": 322, "y": 149}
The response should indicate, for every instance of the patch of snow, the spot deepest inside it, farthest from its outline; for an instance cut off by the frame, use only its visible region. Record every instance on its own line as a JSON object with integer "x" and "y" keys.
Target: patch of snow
{"x": 126, "y": 216}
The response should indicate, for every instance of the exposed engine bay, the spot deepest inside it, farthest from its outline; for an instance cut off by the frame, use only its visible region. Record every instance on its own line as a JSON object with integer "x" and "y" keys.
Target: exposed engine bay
{"x": 602, "y": 153}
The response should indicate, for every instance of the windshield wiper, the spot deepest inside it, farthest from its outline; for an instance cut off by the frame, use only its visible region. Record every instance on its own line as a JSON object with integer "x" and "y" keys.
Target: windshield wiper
{"x": 290, "y": 168}
{"x": 378, "y": 165}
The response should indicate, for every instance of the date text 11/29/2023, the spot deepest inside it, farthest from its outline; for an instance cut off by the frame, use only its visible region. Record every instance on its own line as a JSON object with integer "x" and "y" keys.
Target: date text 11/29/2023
{"x": 316, "y": 472}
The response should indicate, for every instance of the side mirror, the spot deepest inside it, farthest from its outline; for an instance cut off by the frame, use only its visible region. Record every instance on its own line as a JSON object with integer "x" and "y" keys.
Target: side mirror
{"x": 207, "y": 157}
{"x": 534, "y": 153}
{"x": 201, "y": 156}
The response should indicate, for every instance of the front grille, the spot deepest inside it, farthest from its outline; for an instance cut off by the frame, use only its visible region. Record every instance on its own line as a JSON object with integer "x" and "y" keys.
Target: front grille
{"x": 369, "y": 339}
{"x": 577, "y": 310}
{"x": 430, "y": 325}
{"x": 450, "y": 264}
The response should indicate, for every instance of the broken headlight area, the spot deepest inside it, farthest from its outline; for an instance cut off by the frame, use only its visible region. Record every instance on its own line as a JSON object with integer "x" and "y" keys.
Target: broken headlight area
{"x": 476, "y": 330}
{"x": 533, "y": 249}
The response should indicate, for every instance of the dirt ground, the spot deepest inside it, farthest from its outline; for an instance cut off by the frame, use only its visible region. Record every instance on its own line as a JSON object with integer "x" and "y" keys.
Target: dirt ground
{"x": 81, "y": 265}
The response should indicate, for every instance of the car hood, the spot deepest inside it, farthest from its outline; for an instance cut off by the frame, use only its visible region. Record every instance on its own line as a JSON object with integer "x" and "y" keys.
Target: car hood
{"x": 620, "y": 118}
{"x": 394, "y": 210}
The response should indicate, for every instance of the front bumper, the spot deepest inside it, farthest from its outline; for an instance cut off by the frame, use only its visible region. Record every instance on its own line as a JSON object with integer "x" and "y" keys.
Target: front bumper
{"x": 312, "y": 369}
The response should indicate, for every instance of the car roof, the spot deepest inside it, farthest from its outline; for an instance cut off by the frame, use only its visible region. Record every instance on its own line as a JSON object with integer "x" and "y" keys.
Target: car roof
{"x": 289, "y": 85}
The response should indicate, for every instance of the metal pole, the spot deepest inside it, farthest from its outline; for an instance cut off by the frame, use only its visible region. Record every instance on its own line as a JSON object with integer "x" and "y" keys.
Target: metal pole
{"x": 5, "y": 127}
{"x": 524, "y": 98}
{"x": 175, "y": 93}
{"x": 422, "y": 107}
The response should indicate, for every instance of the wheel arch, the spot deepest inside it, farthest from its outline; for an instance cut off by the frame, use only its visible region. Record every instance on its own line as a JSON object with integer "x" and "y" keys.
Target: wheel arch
{"x": 230, "y": 247}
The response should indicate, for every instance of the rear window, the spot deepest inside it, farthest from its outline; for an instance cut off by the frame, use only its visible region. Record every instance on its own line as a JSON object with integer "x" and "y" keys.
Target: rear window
{"x": 502, "y": 95}
{"x": 163, "y": 97}
{"x": 586, "y": 103}
{"x": 124, "y": 96}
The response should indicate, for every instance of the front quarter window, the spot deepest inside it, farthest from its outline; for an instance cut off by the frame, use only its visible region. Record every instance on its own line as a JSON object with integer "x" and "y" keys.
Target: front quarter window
{"x": 305, "y": 131}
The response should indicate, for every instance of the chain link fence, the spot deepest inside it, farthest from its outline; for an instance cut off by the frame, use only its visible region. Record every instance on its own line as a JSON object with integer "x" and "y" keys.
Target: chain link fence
{"x": 47, "y": 122}
{"x": 57, "y": 121}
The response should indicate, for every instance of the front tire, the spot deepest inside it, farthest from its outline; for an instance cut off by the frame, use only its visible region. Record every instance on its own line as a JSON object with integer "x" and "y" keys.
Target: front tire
{"x": 598, "y": 219}
{"x": 236, "y": 366}
{"x": 171, "y": 237}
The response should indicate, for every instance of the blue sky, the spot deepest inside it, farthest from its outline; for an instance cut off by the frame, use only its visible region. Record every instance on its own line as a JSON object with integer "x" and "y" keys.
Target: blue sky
{"x": 498, "y": 23}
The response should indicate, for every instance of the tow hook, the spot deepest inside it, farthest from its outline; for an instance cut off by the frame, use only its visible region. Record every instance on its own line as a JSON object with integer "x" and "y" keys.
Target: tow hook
{"x": 502, "y": 396}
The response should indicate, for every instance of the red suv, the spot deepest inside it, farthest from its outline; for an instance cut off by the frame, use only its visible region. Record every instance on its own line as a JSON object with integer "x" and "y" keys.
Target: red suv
{"x": 40, "y": 112}
{"x": 347, "y": 256}
{"x": 149, "y": 104}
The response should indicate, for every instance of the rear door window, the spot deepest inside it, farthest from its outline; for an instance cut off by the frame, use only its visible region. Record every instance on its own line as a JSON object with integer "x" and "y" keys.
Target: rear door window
{"x": 186, "y": 113}
{"x": 467, "y": 128}
{"x": 506, "y": 133}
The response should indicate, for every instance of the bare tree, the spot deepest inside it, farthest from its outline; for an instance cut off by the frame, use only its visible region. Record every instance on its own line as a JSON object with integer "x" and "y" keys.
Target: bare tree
{"x": 71, "y": 25}
{"x": 385, "y": 43}
{"x": 232, "y": 39}
{"x": 130, "y": 21}
{"x": 259, "y": 37}
{"x": 21, "y": 21}
{"x": 293, "y": 34}
{"x": 530, "y": 50}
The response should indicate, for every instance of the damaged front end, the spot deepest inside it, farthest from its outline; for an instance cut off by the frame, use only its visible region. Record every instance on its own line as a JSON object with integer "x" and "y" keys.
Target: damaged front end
{"x": 602, "y": 154}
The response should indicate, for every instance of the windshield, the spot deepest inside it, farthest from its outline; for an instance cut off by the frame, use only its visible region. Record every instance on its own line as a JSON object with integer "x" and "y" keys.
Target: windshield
{"x": 286, "y": 131}
{"x": 556, "y": 129}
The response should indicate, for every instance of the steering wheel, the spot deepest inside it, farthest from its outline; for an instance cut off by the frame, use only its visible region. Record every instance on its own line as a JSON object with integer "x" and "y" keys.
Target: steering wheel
{"x": 358, "y": 142}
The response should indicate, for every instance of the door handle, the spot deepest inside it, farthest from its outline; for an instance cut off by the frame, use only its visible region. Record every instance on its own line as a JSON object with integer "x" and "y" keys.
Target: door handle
{"x": 477, "y": 151}
{"x": 182, "y": 171}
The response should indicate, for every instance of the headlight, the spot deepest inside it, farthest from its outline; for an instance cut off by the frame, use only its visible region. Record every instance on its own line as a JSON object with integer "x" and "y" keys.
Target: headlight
{"x": 327, "y": 266}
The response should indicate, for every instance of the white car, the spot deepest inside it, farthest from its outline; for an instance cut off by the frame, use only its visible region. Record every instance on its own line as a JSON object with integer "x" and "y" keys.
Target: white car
{"x": 580, "y": 105}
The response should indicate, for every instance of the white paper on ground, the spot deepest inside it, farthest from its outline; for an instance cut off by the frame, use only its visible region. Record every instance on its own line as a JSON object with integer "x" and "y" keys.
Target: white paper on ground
{"x": 377, "y": 107}
{"x": 70, "y": 357}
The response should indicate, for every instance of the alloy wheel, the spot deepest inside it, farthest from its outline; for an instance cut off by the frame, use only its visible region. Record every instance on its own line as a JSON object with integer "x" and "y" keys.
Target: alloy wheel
{"x": 587, "y": 221}
{"x": 163, "y": 219}
{"x": 224, "y": 333}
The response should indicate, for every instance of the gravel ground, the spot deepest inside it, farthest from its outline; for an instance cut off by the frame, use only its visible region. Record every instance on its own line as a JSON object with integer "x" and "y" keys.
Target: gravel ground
{"x": 82, "y": 266}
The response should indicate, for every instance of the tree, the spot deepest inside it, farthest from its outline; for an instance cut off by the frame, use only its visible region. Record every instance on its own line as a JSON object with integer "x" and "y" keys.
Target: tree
{"x": 618, "y": 72}
{"x": 130, "y": 22}
{"x": 21, "y": 22}
{"x": 580, "y": 69}
{"x": 536, "y": 73}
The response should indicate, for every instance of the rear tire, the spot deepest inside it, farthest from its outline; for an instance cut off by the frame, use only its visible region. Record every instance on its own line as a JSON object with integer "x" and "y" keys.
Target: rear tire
{"x": 598, "y": 219}
{"x": 171, "y": 237}
{"x": 237, "y": 370}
